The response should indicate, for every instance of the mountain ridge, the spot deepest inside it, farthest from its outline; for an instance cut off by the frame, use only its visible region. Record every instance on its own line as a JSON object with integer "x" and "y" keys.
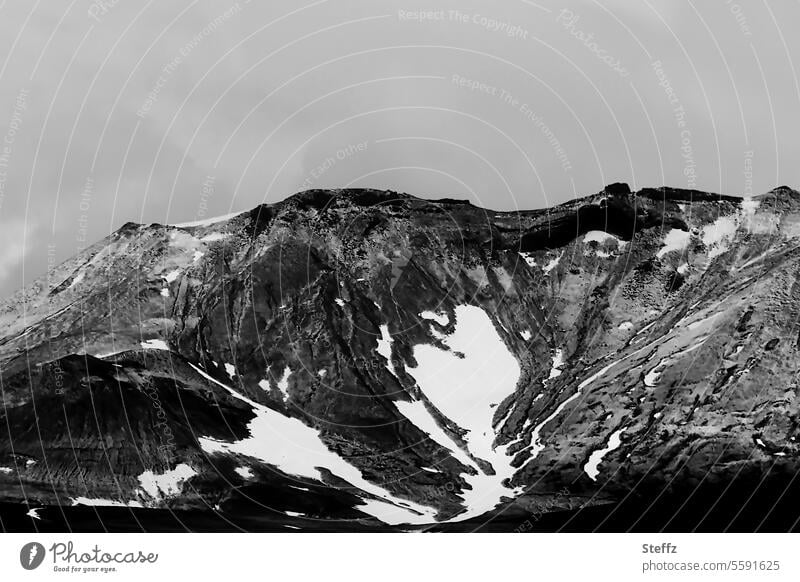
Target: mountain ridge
{"x": 330, "y": 315}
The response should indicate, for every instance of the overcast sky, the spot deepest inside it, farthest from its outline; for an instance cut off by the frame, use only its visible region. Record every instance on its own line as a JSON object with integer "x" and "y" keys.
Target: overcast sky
{"x": 114, "y": 111}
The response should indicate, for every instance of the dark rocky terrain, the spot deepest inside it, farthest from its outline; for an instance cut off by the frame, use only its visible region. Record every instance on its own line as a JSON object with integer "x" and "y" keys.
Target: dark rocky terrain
{"x": 360, "y": 360}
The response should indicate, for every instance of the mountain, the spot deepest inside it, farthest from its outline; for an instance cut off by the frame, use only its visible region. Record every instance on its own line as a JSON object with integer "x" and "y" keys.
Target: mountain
{"x": 367, "y": 360}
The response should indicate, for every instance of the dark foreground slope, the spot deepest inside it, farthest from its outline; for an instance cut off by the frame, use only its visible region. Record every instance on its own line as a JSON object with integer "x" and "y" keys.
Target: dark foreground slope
{"x": 364, "y": 360}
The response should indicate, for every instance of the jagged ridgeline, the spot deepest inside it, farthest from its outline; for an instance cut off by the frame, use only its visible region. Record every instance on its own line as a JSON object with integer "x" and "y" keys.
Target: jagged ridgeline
{"x": 370, "y": 358}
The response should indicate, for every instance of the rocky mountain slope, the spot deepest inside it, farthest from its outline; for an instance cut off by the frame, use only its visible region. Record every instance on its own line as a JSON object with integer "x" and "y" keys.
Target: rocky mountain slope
{"x": 367, "y": 357}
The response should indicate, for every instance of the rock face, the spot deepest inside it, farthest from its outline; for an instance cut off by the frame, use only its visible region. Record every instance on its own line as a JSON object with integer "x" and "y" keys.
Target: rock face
{"x": 366, "y": 356}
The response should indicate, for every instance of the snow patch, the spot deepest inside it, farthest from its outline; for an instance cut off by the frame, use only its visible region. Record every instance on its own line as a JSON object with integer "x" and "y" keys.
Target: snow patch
{"x": 749, "y": 207}
{"x": 339, "y": 302}
{"x": 599, "y": 236}
{"x": 172, "y": 276}
{"x": 208, "y": 222}
{"x": 651, "y": 378}
{"x": 154, "y": 344}
{"x": 230, "y": 369}
{"x": 6, "y": 470}
{"x": 197, "y": 256}
{"x": 440, "y": 318}
{"x": 466, "y": 390}
{"x": 283, "y": 383}
{"x": 537, "y": 445}
{"x": 297, "y": 449}
{"x": 718, "y": 235}
{"x": 96, "y": 502}
{"x": 592, "y": 467}
{"x": 418, "y": 414}
{"x": 214, "y": 237}
{"x": 165, "y": 292}
{"x": 244, "y": 472}
{"x": 625, "y": 326}
{"x": 34, "y": 513}
{"x": 551, "y": 265}
{"x": 526, "y": 335}
{"x": 529, "y": 259}
{"x": 385, "y": 347}
{"x": 676, "y": 240}
{"x": 558, "y": 365}
{"x": 77, "y": 280}
{"x": 166, "y": 484}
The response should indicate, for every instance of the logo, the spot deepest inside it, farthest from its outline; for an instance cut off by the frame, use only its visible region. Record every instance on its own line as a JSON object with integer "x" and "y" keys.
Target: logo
{"x": 31, "y": 555}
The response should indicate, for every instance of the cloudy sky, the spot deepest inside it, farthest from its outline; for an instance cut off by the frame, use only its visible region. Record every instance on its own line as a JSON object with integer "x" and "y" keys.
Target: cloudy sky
{"x": 114, "y": 110}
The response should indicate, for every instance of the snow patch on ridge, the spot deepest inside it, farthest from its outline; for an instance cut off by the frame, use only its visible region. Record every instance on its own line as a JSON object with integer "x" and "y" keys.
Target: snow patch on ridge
{"x": 208, "y": 221}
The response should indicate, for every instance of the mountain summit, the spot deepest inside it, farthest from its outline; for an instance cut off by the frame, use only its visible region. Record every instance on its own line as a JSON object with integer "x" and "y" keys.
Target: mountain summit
{"x": 367, "y": 357}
